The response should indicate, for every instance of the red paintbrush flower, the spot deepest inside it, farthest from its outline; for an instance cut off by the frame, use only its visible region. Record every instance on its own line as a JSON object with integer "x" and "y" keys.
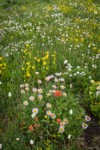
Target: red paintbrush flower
{"x": 57, "y": 93}
{"x": 31, "y": 128}
{"x": 36, "y": 119}
{"x": 58, "y": 120}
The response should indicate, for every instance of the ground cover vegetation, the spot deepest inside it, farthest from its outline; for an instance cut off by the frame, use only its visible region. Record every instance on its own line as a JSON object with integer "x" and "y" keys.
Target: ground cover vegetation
{"x": 49, "y": 73}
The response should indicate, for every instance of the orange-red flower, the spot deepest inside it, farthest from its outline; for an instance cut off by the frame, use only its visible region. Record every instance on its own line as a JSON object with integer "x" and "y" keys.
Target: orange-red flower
{"x": 36, "y": 119}
{"x": 58, "y": 120}
{"x": 36, "y": 125}
{"x": 31, "y": 128}
{"x": 57, "y": 93}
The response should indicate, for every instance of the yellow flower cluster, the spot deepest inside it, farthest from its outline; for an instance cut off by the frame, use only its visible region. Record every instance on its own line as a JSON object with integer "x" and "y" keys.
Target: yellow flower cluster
{"x": 64, "y": 8}
{"x": 42, "y": 63}
{"x": 2, "y": 66}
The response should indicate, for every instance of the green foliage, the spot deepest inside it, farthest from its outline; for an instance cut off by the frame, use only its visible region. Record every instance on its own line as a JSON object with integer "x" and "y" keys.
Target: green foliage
{"x": 92, "y": 99}
{"x": 53, "y": 46}
{"x": 9, "y": 3}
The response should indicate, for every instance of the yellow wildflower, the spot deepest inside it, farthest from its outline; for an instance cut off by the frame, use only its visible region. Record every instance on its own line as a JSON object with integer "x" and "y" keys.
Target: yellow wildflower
{"x": 44, "y": 63}
{"x": 38, "y": 60}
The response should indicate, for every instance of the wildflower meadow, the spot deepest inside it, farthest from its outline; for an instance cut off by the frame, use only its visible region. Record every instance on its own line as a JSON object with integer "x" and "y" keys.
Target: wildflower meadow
{"x": 49, "y": 74}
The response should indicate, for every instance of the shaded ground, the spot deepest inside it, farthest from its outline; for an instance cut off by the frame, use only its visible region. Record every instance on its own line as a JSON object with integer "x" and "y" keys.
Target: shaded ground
{"x": 90, "y": 140}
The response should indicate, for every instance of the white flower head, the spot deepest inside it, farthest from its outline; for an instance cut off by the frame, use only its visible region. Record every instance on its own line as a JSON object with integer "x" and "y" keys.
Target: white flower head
{"x": 62, "y": 87}
{"x": 69, "y": 69}
{"x": 40, "y": 96}
{"x": 47, "y": 78}
{"x": 64, "y": 94}
{"x": 48, "y": 105}
{"x": 22, "y": 91}
{"x": 0, "y": 146}
{"x": 33, "y": 115}
{"x": 31, "y": 142}
{"x": 71, "y": 112}
{"x": 48, "y": 113}
{"x": 61, "y": 129}
{"x": 17, "y": 139}
{"x": 25, "y": 103}
{"x": 69, "y": 136}
{"x": 40, "y": 91}
{"x": 98, "y": 88}
{"x": 27, "y": 88}
{"x": 48, "y": 94}
{"x": 97, "y": 93}
{"x": 53, "y": 116}
{"x": 37, "y": 73}
{"x": 35, "y": 110}
{"x": 9, "y": 94}
{"x": 54, "y": 86}
{"x": 62, "y": 79}
{"x": 66, "y": 121}
{"x": 65, "y": 62}
{"x": 32, "y": 98}
{"x": 87, "y": 118}
{"x": 22, "y": 86}
{"x": 84, "y": 126}
{"x": 62, "y": 123}
{"x": 34, "y": 90}
{"x": 26, "y": 84}
{"x": 55, "y": 80}
{"x": 71, "y": 86}
{"x": 39, "y": 81}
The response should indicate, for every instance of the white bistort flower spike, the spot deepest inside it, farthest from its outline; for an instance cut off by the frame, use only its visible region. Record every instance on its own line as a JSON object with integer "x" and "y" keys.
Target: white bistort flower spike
{"x": 31, "y": 142}
{"x": 65, "y": 62}
{"x": 17, "y": 139}
{"x": 0, "y": 146}
{"x": 69, "y": 136}
{"x": 71, "y": 112}
{"x": 9, "y": 94}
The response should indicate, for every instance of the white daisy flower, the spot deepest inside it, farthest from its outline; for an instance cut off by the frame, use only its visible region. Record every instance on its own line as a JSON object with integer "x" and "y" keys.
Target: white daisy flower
{"x": 84, "y": 126}
{"x": 64, "y": 94}
{"x": 62, "y": 87}
{"x": 48, "y": 105}
{"x": 25, "y": 103}
{"x": 39, "y": 81}
{"x": 40, "y": 96}
{"x": 32, "y": 98}
{"x": 54, "y": 86}
{"x": 48, "y": 113}
{"x": 48, "y": 94}
{"x": 61, "y": 129}
{"x": 65, "y": 121}
{"x": 87, "y": 118}
{"x": 34, "y": 90}
{"x": 22, "y": 91}
{"x": 40, "y": 91}
{"x": 35, "y": 110}
{"x": 62, "y": 123}
{"x": 27, "y": 88}
{"x": 21, "y": 86}
{"x": 53, "y": 116}
{"x": 55, "y": 80}
{"x": 26, "y": 85}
